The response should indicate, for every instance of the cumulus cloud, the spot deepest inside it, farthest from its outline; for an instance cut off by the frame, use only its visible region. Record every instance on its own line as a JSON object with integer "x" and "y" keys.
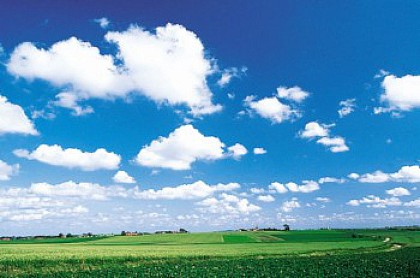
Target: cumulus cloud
{"x": 400, "y": 93}
{"x": 258, "y": 151}
{"x": 184, "y": 146}
{"x": 227, "y": 204}
{"x": 289, "y": 206}
{"x": 6, "y": 170}
{"x": 13, "y": 119}
{"x": 313, "y": 130}
{"x": 72, "y": 158}
{"x": 168, "y": 66}
{"x": 335, "y": 144}
{"x": 237, "y": 151}
{"x": 103, "y": 22}
{"x": 295, "y": 93}
{"x": 266, "y": 198}
{"x": 305, "y": 187}
{"x": 273, "y": 109}
{"x": 398, "y": 191}
{"x": 410, "y": 174}
{"x": 346, "y": 107}
{"x": 123, "y": 177}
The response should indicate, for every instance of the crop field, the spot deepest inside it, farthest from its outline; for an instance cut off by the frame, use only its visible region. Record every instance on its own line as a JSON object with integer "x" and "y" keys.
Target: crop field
{"x": 360, "y": 253}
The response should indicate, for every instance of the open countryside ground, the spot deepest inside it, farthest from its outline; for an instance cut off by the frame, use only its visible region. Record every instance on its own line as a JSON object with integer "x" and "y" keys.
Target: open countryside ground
{"x": 377, "y": 253}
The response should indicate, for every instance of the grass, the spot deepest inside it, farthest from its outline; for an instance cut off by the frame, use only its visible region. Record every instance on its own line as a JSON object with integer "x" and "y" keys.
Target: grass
{"x": 162, "y": 253}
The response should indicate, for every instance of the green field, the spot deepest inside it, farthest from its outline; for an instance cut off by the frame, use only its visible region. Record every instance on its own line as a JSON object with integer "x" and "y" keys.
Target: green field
{"x": 378, "y": 253}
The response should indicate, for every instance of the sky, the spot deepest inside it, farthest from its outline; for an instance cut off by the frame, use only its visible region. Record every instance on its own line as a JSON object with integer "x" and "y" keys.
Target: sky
{"x": 151, "y": 115}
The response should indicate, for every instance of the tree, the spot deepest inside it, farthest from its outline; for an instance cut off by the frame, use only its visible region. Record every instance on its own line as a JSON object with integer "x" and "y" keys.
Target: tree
{"x": 286, "y": 227}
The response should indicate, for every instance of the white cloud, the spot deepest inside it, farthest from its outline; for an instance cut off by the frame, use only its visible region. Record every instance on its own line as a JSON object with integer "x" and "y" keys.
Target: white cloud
{"x": 123, "y": 177}
{"x": 373, "y": 201}
{"x": 353, "y": 176}
{"x": 227, "y": 204}
{"x": 13, "y": 119}
{"x": 255, "y": 190}
{"x": 323, "y": 199}
{"x": 410, "y": 174}
{"x": 94, "y": 191}
{"x": 184, "y": 146}
{"x": 69, "y": 101}
{"x": 375, "y": 177}
{"x": 168, "y": 66}
{"x": 85, "y": 190}
{"x": 266, "y": 198}
{"x": 306, "y": 187}
{"x": 258, "y": 151}
{"x": 103, "y": 22}
{"x": 237, "y": 151}
{"x": 314, "y": 129}
{"x": 398, "y": 191}
{"x": 230, "y": 73}
{"x": 196, "y": 190}
{"x": 335, "y": 144}
{"x": 331, "y": 180}
{"x": 414, "y": 203}
{"x": 295, "y": 94}
{"x": 346, "y": 107}
{"x": 6, "y": 170}
{"x": 271, "y": 108}
{"x": 289, "y": 206}
{"x": 72, "y": 158}
{"x": 400, "y": 93}
{"x": 278, "y": 187}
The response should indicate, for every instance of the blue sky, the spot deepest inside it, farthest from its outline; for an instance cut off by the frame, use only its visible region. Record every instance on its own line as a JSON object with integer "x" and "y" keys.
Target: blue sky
{"x": 214, "y": 116}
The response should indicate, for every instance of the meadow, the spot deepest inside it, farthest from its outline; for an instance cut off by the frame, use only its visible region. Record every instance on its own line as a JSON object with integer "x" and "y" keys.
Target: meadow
{"x": 318, "y": 253}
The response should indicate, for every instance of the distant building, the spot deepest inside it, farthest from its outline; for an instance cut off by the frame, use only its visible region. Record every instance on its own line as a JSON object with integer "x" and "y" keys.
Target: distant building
{"x": 5, "y": 238}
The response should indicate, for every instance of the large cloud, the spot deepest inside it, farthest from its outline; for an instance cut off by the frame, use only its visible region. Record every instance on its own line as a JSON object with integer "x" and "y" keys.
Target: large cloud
{"x": 14, "y": 120}
{"x": 72, "y": 158}
{"x": 400, "y": 93}
{"x": 168, "y": 66}
{"x": 184, "y": 146}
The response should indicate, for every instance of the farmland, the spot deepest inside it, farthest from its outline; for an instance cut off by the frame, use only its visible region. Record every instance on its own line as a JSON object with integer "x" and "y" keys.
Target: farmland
{"x": 372, "y": 253}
